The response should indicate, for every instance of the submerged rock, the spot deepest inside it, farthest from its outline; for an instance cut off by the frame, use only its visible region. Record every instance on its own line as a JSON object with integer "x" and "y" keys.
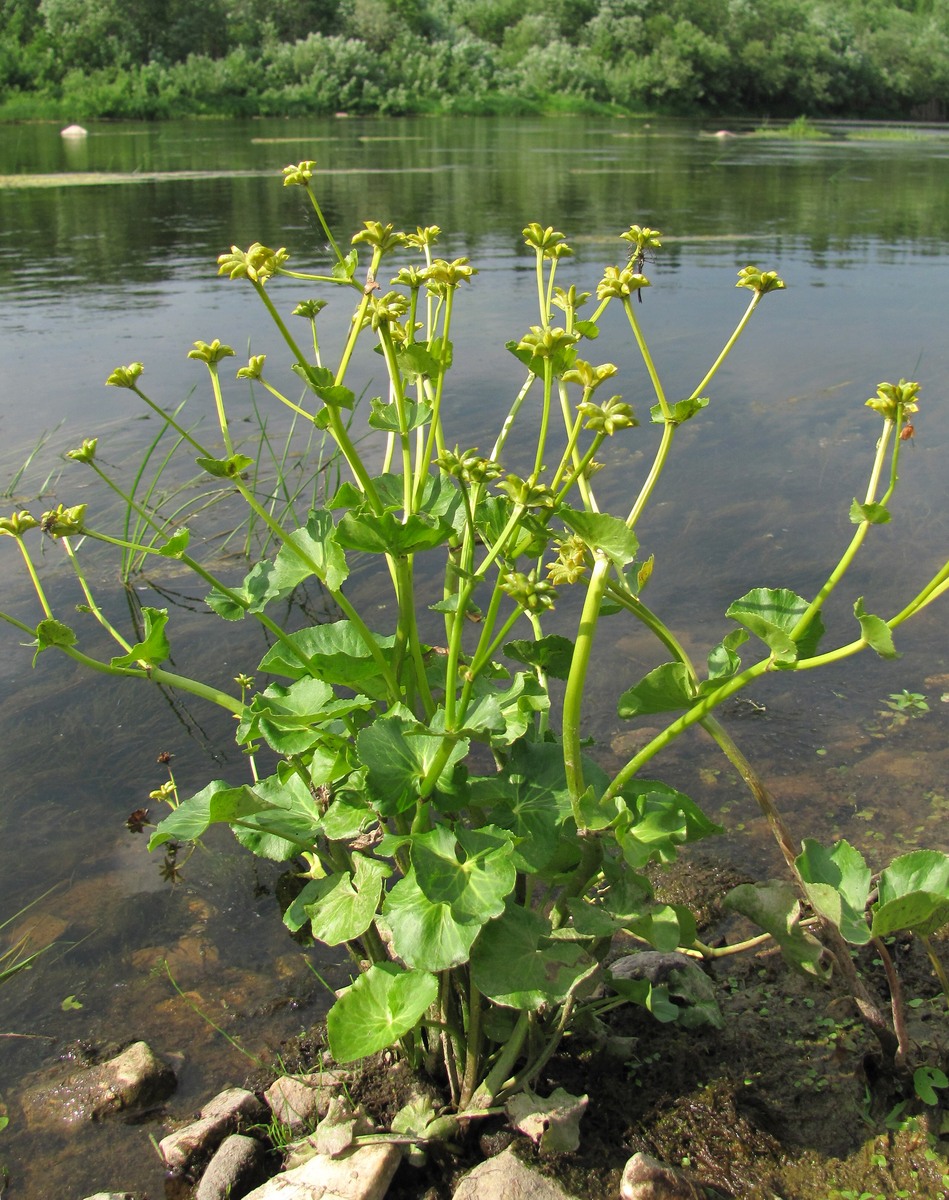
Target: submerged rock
{"x": 132, "y": 1081}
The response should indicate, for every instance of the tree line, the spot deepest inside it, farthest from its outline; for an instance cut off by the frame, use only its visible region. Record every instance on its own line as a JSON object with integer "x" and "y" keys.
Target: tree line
{"x": 82, "y": 59}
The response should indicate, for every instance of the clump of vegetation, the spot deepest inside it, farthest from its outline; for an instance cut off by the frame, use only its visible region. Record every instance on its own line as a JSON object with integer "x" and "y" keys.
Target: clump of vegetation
{"x": 120, "y": 58}
{"x": 801, "y": 129}
{"x": 450, "y": 826}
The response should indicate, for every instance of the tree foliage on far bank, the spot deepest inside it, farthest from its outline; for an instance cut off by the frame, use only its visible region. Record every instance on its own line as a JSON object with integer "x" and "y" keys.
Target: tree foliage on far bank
{"x": 79, "y": 59}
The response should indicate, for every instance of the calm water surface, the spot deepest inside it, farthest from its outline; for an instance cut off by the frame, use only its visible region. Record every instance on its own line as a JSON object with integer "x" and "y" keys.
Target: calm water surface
{"x": 107, "y": 255}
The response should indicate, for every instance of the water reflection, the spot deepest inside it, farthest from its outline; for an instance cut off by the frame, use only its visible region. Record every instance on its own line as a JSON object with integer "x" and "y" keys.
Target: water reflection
{"x": 757, "y": 493}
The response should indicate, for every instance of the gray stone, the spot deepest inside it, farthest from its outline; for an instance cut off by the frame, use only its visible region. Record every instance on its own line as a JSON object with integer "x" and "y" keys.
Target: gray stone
{"x": 507, "y": 1178}
{"x": 362, "y": 1174}
{"x": 299, "y": 1101}
{"x": 133, "y": 1080}
{"x": 646, "y": 1178}
{"x": 237, "y": 1167}
{"x": 228, "y": 1112}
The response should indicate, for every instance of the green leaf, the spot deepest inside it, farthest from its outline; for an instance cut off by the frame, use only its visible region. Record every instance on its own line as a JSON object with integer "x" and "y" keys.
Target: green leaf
{"x": 398, "y": 753}
{"x": 335, "y": 653}
{"x": 381, "y": 1006}
{"x": 913, "y": 894}
{"x": 603, "y": 532}
{"x": 416, "y": 360}
{"x": 553, "y": 654}
{"x": 317, "y": 541}
{"x": 52, "y": 633}
{"x": 681, "y": 411}
{"x": 874, "y": 514}
{"x": 389, "y": 534}
{"x": 589, "y": 329}
{"x": 427, "y": 932}
{"x": 287, "y": 821}
{"x": 153, "y": 649}
{"x": 347, "y": 268}
{"x": 654, "y": 819}
{"x": 215, "y": 804}
{"x": 385, "y": 415}
{"x": 926, "y": 1080}
{"x": 292, "y": 719}
{"x": 875, "y": 632}
{"x": 320, "y": 381}
{"x": 340, "y": 907}
{"x": 837, "y": 883}
{"x": 668, "y": 688}
{"x": 723, "y": 662}
{"x": 530, "y": 799}
{"x": 518, "y": 703}
{"x": 176, "y": 545}
{"x": 225, "y": 468}
{"x": 226, "y": 606}
{"x": 469, "y": 870}
{"x": 654, "y": 999}
{"x": 775, "y": 907}
{"x": 514, "y": 964}
{"x": 664, "y": 926}
{"x": 771, "y": 614}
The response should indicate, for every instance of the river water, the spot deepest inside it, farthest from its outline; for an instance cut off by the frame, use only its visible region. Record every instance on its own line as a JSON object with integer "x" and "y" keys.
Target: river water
{"x": 107, "y": 256}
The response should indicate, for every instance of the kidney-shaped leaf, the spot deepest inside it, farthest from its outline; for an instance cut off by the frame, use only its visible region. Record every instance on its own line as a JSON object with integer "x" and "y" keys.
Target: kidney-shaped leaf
{"x": 914, "y": 894}
{"x": 426, "y": 933}
{"x": 776, "y": 908}
{"x": 837, "y": 882}
{"x": 771, "y": 614}
{"x": 379, "y": 1008}
{"x": 513, "y": 963}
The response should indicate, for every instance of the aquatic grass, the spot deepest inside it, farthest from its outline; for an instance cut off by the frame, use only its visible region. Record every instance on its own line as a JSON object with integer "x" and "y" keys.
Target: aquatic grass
{"x": 15, "y": 958}
{"x": 10, "y": 491}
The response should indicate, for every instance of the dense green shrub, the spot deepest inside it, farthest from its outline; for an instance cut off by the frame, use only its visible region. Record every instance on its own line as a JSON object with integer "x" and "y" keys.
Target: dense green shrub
{"x": 126, "y": 58}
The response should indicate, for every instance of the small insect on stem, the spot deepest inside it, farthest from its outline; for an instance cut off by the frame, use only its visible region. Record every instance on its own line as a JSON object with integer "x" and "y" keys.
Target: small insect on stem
{"x": 371, "y": 285}
{"x": 637, "y": 260}
{"x": 908, "y": 432}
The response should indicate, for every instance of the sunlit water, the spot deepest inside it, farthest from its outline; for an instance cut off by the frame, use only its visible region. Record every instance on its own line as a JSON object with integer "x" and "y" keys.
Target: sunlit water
{"x": 114, "y": 261}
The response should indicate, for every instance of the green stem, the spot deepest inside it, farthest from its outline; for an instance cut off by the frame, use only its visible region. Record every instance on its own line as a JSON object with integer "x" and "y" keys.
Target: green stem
{"x": 179, "y": 429}
{"x": 336, "y": 426}
{"x": 757, "y": 788}
{"x": 157, "y": 675}
{"x": 473, "y": 1047}
{"x": 576, "y": 681}
{"x": 856, "y": 541}
{"x": 219, "y": 406}
{"x": 35, "y": 579}
{"x": 323, "y": 224}
{"x": 647, "y": 358}
{"x": 937, "y": 967}
{"x": 90, "y": 601}
{"x": 499, "y": 1073}
{"x": 658, "y": 462}
{"x": 729, "y": 346}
